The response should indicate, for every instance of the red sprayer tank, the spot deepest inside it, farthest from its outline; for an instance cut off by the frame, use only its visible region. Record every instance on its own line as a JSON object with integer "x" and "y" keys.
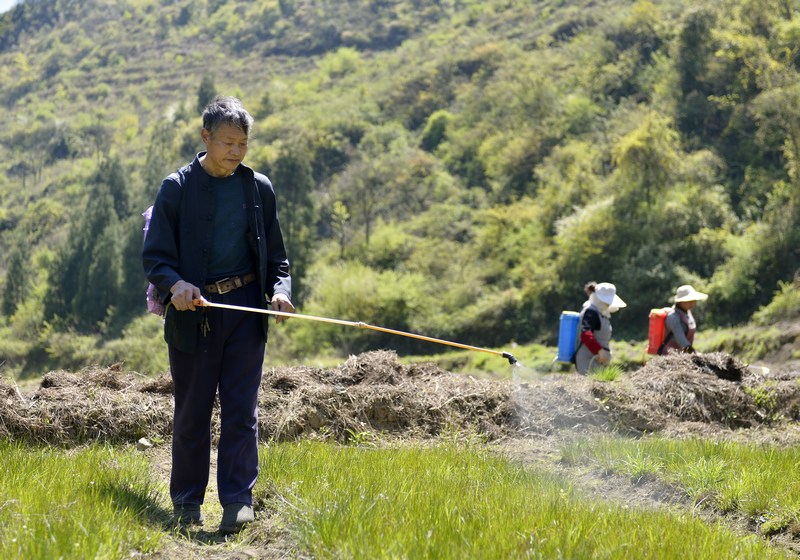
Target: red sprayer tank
{"x": 656, "y": 333}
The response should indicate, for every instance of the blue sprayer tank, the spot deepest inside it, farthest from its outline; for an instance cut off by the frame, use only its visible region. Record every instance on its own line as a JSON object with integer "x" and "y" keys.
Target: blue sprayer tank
{"x": 567, "y": 335}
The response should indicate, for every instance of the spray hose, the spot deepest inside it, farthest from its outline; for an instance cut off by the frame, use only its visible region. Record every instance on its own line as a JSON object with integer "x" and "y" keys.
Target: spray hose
{"x": 361, "y": 325}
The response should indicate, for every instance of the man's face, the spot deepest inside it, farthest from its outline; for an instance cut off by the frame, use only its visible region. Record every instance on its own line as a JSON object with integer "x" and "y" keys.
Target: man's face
{"x": 226, "y": 149}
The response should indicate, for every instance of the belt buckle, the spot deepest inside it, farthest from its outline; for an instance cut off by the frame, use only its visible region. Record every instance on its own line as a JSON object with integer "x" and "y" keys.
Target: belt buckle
{"x": 219, "y": 288}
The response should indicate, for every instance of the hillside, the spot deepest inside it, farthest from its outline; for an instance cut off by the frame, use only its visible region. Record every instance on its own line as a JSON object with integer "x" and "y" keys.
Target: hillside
{"x": 454, "y": 168}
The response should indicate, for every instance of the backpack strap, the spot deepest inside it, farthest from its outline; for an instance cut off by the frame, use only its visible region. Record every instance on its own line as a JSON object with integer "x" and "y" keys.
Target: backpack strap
{"x": 593, "y": 312}
{"x": 664, "y": 344}
{"x": 575, "y": 353}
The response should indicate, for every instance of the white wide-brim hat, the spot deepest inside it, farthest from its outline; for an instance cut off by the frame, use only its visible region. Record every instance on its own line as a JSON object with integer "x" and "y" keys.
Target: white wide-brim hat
{"x": 688, "y": 293}
{"x": 607, "y": 293}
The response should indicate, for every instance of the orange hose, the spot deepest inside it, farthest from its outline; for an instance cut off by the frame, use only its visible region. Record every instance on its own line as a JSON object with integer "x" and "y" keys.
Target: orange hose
{"x": 205, "y": 303}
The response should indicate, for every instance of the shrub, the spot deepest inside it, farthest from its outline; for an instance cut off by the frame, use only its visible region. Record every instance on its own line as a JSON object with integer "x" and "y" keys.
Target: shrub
{"x": 784, "y": 305}
{"x": 141, "y": 347}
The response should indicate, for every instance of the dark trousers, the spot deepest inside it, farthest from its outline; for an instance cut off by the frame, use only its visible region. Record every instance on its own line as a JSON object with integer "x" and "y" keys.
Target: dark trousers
{"x": 228, "y": 359}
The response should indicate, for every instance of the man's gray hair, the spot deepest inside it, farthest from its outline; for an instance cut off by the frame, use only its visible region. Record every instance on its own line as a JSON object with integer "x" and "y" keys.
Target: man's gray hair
{"x": 226, "y": 110}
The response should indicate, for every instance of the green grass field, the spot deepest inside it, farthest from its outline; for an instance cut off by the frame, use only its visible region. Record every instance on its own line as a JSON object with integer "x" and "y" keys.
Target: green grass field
{"x": 446, "y": 501}
{"x": 434, "y": 499}
{"x": 89, "y": 502}
{"x": 756, "y": 480}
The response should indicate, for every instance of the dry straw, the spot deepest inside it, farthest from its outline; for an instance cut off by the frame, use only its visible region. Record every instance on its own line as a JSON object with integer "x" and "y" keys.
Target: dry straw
{"x": 375, "y": 393}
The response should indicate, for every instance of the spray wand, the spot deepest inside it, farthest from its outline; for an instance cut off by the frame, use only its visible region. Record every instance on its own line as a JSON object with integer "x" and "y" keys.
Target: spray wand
{"x": 202, "y": 302}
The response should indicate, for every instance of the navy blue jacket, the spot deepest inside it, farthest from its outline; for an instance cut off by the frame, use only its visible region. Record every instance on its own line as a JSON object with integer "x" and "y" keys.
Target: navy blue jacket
{"x": 178, "y": 242}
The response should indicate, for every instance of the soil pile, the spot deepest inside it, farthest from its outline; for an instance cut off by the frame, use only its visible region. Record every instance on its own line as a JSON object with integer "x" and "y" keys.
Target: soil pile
{"x": 375, "y": 393}
{"x": 96, "y": 404}
{"x": 714, "y": 389}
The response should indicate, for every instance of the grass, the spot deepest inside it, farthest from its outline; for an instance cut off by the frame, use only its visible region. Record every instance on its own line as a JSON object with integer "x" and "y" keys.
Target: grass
{"x": 92, "y": 502}
{"x": 455, "y": 502}
{"x": 758, "y": 481}
{"x": 427, "y": 501}
{"x": 611, "y": 372}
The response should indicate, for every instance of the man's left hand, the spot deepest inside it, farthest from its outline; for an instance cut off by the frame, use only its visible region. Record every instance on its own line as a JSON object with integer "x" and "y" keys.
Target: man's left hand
{"x": 281, "y": 303}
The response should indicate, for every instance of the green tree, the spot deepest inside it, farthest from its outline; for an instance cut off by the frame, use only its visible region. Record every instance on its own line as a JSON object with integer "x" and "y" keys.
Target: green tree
{"x": 647, "y": 157}
{"x": 294, "y": 184}
{"x": 694, "y": 46}
{"x": 767, "y": 253}
{"x": 84, "y": 284}
{"x": 367, "y": 184}
{"x": 361, "y": 186}
{"x": 112, "y": 173}
{"x": 340, "y": 219}
{"x": 435, "y": 130}
{"x": 133, "y": 284}
{"x": 697, "y": 115}
{"x": 206, "y": 92}
{"x": 21, "y": 169}
{"x": 98, "y": 290}
{"x": 97, "y": 137}
{"x": 158, "y": 156}
{"x": 16, "y": 283}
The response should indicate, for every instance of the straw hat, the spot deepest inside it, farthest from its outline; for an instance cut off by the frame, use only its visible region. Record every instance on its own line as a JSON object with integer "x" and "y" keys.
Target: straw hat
{"x": 607, "y": 293}
{"x": 688, "y": 293}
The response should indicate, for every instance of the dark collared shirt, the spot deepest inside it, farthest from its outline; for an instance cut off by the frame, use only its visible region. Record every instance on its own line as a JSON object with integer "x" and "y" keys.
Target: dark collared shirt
{"x": 179, "y": 242}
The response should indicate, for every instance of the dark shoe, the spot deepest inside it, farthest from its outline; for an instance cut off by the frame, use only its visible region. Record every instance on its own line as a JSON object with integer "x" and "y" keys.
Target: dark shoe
{"x": 188, "y": 514}
{"x": 235, "y": 517}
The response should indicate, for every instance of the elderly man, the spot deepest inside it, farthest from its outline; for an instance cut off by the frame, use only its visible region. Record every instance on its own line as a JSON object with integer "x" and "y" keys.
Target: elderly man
{"x": 214, "y": 233}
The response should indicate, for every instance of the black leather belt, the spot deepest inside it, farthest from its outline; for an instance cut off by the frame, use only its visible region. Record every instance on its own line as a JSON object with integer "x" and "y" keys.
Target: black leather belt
{"x": 229, "y": 284}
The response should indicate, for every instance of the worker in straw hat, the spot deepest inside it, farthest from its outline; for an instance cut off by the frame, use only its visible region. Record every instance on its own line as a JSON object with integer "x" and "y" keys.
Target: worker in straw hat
{"x": 594, "y": 324}
{"x": 680, "y": 325}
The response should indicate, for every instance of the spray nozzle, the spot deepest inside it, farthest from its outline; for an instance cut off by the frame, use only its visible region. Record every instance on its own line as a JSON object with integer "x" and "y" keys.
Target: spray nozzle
{"x": 510, "y": 357}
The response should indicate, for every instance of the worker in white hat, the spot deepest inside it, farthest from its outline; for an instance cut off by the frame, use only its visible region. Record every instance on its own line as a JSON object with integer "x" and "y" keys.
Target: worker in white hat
{"x": 680, "y": 326}
{"x": 594, "y": 327}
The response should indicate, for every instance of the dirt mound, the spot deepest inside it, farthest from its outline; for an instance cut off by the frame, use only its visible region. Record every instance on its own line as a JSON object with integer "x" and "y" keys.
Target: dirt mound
{"x": 95, "y": 404}
{"x": 713, "y": 388}
{"x": 373, "y": 393}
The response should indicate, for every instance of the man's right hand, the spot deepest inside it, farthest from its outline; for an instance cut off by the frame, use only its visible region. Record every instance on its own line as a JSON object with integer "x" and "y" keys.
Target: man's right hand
{"x": 603, "y": 356}
{"x": 182, "y": 295}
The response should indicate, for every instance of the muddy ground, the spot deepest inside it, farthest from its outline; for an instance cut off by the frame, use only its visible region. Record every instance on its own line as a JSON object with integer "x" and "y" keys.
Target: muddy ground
{"x": 374, "y": 395}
